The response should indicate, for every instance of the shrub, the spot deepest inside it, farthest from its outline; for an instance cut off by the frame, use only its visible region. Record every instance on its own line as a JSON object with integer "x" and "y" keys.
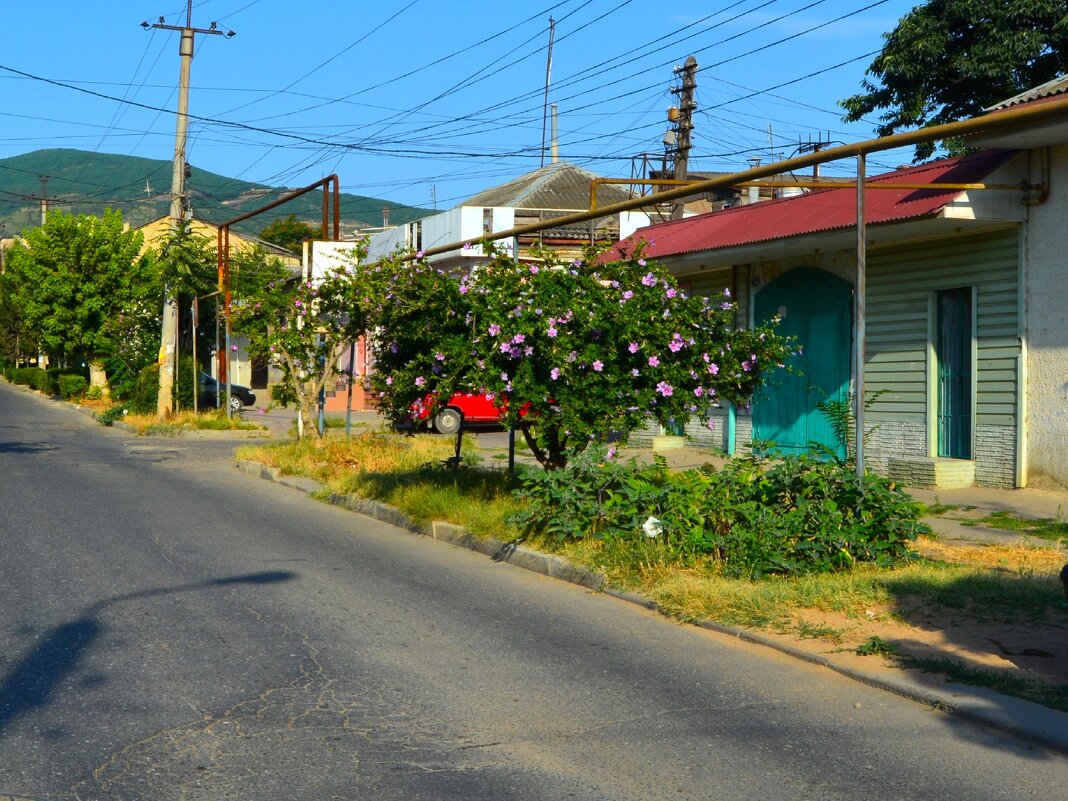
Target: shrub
{"x": 72, "y": 386}
{"x": 283, "y": 395}
{"x": 43, "y": 382}
{"x": 94, "y": 393}
{"x": 109, "y": 416}
{"x": 184, "y": 383}
{"x": 24, "y": 375}
{"x": 754, "y": 518}
{"x": 145, "y": 393}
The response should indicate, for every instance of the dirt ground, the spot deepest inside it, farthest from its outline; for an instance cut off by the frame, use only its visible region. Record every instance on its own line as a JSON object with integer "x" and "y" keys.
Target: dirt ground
{"x": 1031, "y": 650}
{"x": 1035, "y": 651}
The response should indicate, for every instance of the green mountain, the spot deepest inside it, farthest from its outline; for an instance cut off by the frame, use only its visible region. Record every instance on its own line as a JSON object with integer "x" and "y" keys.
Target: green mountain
{"x": 80, "y": 182}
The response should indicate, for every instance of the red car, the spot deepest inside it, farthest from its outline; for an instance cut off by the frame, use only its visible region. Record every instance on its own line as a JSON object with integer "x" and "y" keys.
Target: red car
{"x": 461, "y": 408}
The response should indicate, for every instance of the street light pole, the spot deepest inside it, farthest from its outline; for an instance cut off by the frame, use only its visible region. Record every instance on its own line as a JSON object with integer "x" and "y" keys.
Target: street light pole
{"x": 169, "y": 337}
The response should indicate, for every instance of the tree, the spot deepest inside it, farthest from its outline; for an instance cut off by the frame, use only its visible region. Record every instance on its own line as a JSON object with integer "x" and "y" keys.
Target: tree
{"x": 16, "y": 338}
{"x": 289, "y": 233}
{"x": 71, "y": 275}
{"x": 302, "y": 326}
{"x": 573, "y": 353}
{"x": 949, "y": 60}
{"x": 187, "y": 268}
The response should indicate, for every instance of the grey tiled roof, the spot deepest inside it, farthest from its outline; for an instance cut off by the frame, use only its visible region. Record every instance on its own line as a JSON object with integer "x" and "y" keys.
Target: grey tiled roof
{"x": 559, "y": 185}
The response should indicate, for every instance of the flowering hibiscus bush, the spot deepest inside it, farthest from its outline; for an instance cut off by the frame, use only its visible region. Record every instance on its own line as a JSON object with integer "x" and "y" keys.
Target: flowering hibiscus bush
{"x": 573, "y": 353}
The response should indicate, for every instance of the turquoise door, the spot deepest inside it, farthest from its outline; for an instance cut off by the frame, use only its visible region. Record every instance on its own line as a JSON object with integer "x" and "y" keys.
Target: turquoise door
{"x": 816, "y": 308}
{"x": 954, "y": 349}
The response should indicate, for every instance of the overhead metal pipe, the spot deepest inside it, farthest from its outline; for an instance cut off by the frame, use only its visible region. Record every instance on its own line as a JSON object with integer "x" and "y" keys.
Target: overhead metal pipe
{"x": 223, "y": 252}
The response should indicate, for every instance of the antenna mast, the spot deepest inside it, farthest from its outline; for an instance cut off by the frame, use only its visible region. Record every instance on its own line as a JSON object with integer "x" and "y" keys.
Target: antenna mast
{"x": 548, "y": 75}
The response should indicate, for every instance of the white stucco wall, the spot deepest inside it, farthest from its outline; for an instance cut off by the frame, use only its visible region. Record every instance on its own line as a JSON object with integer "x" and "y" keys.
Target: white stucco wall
{"x": 330, "y": 256}
{"x": 1046, "y": 333}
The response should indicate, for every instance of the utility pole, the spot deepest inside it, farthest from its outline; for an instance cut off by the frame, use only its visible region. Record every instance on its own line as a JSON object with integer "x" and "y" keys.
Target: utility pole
{"x": 548, "y": 75}
{"x": 684, "y": 125}
{"x": 44, "y": 198}
{"x": 168, "y": 350}
{"x": 814, "y": 147}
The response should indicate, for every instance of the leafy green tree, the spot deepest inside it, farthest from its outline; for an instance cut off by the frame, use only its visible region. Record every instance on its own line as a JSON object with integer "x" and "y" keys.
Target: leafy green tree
{"x": 573, "y": 353}
{"x": 252, "y": 269}
{"x": 187, "y": 262}
{"x": 289, "y": 233}
{"x": 949, "y": 60}
{"x": 71, "y": 275}
{"x": 300, "y": 325}
{"x": 16, "y": 339}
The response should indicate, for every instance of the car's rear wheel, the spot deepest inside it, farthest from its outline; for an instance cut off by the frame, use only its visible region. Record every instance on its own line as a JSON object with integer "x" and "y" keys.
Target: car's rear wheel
{"x": 448, "y": 421}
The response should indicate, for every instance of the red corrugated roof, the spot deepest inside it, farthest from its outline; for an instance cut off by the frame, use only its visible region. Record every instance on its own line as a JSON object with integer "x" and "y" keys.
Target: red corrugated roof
{"x": 822, "y": 210}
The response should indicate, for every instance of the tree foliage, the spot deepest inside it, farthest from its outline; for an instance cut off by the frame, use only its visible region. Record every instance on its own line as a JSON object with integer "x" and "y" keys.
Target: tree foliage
{"x": 16, "y": 339}
{"x": 300, "y": 325}
{"x": 289, "y": 233}
{"x": 188, "y": 262}
{"x": 949, "y": 60}
{"x": 573, "y": 353}
{"x": 73, "y": 274}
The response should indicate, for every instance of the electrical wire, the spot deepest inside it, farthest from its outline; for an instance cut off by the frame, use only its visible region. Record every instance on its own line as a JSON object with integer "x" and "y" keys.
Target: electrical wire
{"x": 415, "y": 143}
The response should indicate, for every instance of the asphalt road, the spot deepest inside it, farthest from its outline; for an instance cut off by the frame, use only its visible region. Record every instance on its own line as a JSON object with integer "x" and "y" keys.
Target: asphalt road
{"x": 175, "y": 629}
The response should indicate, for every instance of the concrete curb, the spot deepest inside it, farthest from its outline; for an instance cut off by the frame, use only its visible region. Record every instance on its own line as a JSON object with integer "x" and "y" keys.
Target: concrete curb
{"x": 1022, "y": 719}
{"x": 500, "y": 551}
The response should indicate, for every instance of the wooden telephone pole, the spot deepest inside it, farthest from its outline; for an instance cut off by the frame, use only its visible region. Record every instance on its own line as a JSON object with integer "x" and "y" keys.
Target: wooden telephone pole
{"x": 168, "y": 349}
{"x": 684, "y": 125}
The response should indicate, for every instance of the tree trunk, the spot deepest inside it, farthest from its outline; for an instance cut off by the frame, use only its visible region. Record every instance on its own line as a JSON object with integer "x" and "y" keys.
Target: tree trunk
{"x": 552, "y": 458}
{"x": 98, "y": 377}
{"x": 307, "y": 411}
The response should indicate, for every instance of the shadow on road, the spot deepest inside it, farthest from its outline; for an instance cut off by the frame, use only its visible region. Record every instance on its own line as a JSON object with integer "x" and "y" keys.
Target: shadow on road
{"x": 24, "y": 447}
{"x": 33, "y": 681}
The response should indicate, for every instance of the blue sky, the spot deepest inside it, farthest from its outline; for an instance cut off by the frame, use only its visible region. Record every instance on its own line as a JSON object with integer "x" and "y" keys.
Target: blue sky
{"x": 427, "y": 102}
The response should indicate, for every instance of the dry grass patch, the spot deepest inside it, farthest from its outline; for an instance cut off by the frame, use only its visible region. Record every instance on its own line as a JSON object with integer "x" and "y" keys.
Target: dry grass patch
{"x": 336, "y": 460}
{"x": 1018, "y": 558}
{"x": 214, "y": 420}
{"x": 404, "y": 472}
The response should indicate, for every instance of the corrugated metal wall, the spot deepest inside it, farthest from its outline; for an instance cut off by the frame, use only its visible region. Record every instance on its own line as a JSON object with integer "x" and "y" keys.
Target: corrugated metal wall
{"x": 900, "y": 285}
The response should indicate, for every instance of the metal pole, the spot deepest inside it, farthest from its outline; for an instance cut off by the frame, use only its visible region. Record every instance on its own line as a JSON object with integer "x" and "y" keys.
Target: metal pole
{"x": 218, "y": 354}
{"x": 352, "y": 377}
{"x": 859, "y": 302}
{"x": 196, "y": 389}
{"x": 226, "y": 364}
{"x": 322, "y": 394}
{"x": 548, "y": 74}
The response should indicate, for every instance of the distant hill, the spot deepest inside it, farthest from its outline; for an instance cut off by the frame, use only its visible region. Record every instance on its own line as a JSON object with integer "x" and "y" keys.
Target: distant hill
{"x": 80, "y": 182}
